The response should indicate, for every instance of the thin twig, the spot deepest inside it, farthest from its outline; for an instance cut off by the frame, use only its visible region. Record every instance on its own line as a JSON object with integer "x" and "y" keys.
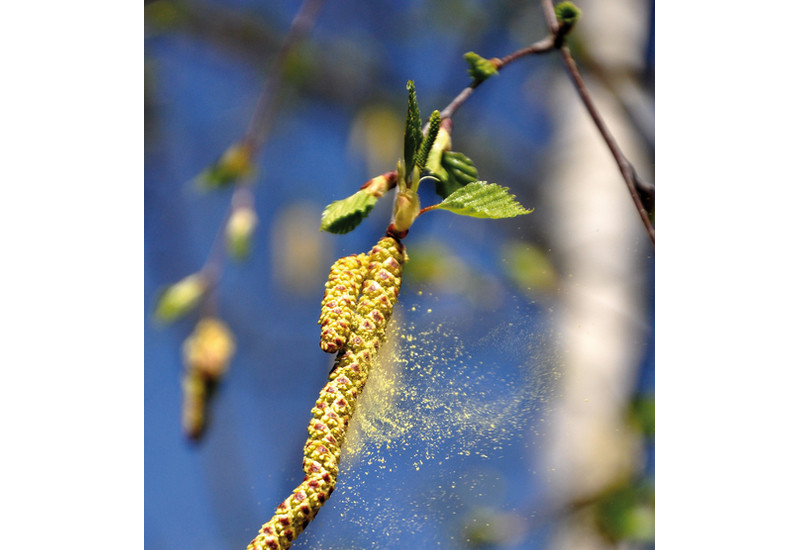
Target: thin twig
{"x": 632, "y": 181}
{"x": 264, "y": 113}
{"x": 212, "y": 268}
{"x": 550, "y": 16}
{"x": 255, "y": 137}
{"x": 542, "y": 46}
{"x": 625, "y": 167}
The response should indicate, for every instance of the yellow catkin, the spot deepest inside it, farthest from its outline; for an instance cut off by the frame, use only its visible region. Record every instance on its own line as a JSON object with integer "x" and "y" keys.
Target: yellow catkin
{"x": 337, "y": 400}
{"x": 339, "y": 302}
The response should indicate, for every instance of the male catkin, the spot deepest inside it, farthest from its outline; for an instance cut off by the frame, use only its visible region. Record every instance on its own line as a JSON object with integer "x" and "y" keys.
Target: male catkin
{"x": 339, "y": 302}
{"x": 337, "y": 400}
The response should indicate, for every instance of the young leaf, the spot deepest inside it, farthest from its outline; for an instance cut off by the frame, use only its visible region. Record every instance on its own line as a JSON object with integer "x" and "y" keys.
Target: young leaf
{"x": 413, "y": 135}
{"x": 483, "y": 200}
{"x": 460, "y": 166}
{"x": 479, "y": 68}
{"x": 456, "y": 171}
{"x": 567, "y": 13}
{"x": 344, "y": 215}
{"x": 430, "y": 139}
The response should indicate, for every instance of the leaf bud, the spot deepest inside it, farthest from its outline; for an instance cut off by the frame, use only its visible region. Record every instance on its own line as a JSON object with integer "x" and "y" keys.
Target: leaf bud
{"x": 234, "y": 164}
{"x": 239, "y": 231}
{"x": 377, "y": 186}
{"x": 406, "y": 210}
{"x": 180, "y": 298}
{"x": 567, "y": 15}
{"x": 479, "y": 68}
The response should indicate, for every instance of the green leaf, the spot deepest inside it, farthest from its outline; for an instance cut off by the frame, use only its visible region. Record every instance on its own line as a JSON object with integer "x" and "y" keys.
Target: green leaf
{"x": 413, "y": 134}
{"x": 479, "y": 68}
{"x": 433, "y": 132}
{"x": 460, "y": 166}
{"x": 483, "y": 200}
{"x": 456, "y": 170}
{"x": 344, "y": 215}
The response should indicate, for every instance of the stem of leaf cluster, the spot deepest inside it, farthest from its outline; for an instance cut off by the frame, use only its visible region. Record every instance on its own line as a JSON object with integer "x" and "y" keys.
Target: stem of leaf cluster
{"x": 428, "y": 209}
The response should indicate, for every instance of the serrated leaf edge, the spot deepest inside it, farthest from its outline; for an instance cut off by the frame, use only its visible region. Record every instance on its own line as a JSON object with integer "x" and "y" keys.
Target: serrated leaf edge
{"x": 476, "y": 206}
{"x": 350, "y": 218}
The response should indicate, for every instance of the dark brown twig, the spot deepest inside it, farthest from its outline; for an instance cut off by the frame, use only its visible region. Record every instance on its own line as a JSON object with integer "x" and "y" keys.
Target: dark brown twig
{"x": 636, "y": 187}
{"x": 625, "y": 167}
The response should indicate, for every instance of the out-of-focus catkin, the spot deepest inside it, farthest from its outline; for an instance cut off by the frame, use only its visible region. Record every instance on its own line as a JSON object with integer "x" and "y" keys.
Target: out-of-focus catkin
{"x": 337, "y": 400}
{"x": 207, "y": 354}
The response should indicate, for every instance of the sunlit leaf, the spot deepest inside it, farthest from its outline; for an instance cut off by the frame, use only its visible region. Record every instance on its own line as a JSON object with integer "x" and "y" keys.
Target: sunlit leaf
{"x": 344, "y": 215}
{"x": 483, "y": 200}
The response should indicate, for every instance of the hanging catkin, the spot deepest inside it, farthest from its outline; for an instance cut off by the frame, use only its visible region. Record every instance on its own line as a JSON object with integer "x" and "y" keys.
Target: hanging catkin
{"x": 337, "y": 400}
{"x": 207, "y": 354}
{"x": 339, "y": 302}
